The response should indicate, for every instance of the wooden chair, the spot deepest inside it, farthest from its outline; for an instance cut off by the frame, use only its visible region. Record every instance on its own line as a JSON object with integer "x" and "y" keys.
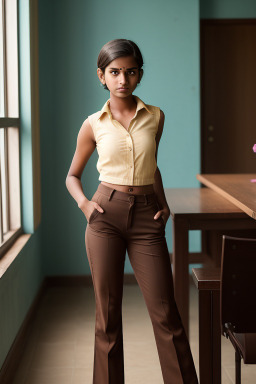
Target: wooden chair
{"x": 237, "y": 298}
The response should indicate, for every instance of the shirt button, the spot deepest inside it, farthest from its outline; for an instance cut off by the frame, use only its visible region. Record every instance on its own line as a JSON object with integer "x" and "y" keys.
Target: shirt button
{"x": 130, "y": 166}
{"x": 130, "y": 189}
{"x": 130, "y": 148}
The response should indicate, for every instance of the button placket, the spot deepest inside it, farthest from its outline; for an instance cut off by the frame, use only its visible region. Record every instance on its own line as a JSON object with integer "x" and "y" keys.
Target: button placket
{"x": 130, "y": 154}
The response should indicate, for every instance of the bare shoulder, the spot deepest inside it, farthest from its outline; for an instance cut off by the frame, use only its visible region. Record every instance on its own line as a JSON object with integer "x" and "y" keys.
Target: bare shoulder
{"x": 161, "y": 125}
{"x": 159, "y": 130}
{"x": 84, "y": 148}
{"x": 162, "y": 117}
{"x": 85, "y": 133}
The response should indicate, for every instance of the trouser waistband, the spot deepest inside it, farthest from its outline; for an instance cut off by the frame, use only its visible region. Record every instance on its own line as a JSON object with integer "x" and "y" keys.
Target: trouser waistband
{"x": 112, "y": 193}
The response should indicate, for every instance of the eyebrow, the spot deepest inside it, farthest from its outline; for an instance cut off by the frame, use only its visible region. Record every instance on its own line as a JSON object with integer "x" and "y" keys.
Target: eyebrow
{"x": 128, "y": 69}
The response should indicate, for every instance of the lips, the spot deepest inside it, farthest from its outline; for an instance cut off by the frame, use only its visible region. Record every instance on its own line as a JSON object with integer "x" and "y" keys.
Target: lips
{"x": 122, "y": 89}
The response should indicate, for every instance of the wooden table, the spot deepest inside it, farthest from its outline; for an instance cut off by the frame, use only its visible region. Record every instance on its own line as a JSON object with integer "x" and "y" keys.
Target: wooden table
{"x": 198, "y": 209}
{"x": 208, "y": 284}
{"x": 240, "y": 191}
{"x": 237, "y": 188}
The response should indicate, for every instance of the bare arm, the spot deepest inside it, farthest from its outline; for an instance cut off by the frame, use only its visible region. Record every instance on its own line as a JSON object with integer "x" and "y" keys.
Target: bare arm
{"x": 158, "y": 184}
{"x": 84, "y": 149}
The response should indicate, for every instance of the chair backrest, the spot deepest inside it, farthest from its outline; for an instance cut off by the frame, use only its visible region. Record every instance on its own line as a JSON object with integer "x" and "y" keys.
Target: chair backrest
{"x": 238, "y": 284}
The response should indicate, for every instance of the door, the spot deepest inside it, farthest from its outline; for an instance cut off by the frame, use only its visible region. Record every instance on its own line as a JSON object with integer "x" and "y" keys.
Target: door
{"x": 228, "y": 96}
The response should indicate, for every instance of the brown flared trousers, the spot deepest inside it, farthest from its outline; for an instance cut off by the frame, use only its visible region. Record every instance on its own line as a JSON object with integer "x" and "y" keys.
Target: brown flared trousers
{"x": 128, "y": 223}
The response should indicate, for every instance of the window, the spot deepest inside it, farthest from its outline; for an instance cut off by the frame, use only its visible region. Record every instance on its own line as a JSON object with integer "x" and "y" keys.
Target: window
{"x": 10, "y": 207}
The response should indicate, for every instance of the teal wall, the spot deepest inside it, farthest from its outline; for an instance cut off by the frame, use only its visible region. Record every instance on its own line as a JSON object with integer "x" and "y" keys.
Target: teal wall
{"x": 71, "y": 36}
{"x": 228, "y": 9}
{"x": 20, "y": 283}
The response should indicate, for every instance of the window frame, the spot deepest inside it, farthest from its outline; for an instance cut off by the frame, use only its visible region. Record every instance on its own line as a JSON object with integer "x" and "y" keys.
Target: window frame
{"x": 8, "y": 235}
{"x": 31, "y": 37}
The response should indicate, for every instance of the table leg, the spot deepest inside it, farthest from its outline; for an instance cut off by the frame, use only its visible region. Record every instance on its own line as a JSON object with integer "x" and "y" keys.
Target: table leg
{"x": 180, "y": 269}
{"x": 209, "y": 337}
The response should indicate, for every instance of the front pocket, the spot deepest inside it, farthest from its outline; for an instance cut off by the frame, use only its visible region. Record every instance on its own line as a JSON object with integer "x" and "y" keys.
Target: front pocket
{"x": 95, "y": 212}
{"x": 93, "y": 215}
{"x": 157, "y": 208}
{"x": 161, "y": 217}
{"x": 159, "y": 220}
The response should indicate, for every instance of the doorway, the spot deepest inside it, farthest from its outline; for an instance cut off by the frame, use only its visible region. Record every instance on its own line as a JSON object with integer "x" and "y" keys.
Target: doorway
{"x": 228, "y": 96}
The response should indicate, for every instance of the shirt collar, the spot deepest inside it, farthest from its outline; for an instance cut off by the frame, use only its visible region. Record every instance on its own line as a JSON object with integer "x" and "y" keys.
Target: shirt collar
{"x": 140, "y": 105}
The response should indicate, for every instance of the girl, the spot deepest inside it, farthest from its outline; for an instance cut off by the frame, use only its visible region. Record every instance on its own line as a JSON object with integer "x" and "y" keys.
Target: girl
{"x": 128, "y": 212}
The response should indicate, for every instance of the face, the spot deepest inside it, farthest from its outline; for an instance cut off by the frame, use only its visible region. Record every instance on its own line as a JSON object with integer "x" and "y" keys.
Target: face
{"x": 121, "y": 76}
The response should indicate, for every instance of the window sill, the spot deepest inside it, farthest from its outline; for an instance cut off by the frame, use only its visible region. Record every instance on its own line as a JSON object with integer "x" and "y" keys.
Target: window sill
{"x": 13, "y": 252}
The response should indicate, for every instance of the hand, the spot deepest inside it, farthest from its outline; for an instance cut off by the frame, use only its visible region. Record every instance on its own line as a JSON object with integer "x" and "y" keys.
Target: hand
{"x": 165, "y": 213}
{"x": 87, "y": 207}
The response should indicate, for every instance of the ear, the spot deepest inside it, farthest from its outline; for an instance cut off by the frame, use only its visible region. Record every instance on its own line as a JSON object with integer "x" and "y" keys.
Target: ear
{"x": 140, "y": 75}
{"x": 101, "y": 76}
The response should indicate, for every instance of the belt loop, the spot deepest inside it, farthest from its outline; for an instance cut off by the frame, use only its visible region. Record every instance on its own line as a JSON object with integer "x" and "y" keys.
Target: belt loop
{"x": 146, "y": 200}
{"x": 111, "y": 194}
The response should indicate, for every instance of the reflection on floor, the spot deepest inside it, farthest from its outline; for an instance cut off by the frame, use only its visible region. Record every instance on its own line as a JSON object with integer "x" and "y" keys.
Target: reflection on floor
{"x": 61, "y": 347}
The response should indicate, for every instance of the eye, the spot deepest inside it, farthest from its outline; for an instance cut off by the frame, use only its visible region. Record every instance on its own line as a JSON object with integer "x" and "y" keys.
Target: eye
{"x": 114, "y": 73}
{"x": 131, "y": 73}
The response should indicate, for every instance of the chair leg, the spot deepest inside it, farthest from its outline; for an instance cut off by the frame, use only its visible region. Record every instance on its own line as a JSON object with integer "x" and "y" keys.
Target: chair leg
{"x": 238, "y": 368}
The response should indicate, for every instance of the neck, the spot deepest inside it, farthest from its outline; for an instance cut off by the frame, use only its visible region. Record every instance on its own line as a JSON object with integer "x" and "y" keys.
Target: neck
{"x": 121, "y": 104}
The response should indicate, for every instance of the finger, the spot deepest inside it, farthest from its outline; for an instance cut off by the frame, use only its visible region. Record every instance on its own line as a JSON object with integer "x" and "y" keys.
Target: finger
{"x": 99, "y": 208}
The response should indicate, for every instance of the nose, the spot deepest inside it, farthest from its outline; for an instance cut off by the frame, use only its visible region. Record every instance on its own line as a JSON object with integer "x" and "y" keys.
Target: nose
{"x": 123, "y": 78}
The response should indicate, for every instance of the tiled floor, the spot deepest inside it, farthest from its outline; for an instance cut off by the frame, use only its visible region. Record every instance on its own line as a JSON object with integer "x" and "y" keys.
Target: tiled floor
{"x": 61, "y": 347}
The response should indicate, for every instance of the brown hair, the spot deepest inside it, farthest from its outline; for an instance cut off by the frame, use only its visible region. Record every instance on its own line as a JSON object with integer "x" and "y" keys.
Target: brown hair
{"x": 118, "y": 48}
